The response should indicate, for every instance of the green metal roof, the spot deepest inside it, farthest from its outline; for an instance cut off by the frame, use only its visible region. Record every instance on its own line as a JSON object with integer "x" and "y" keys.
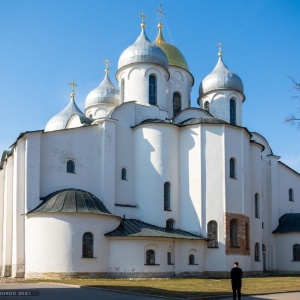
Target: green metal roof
{"x": 71, "y": 201}
{"x": 136, "y": 228}
{"x": 288, "y": 223}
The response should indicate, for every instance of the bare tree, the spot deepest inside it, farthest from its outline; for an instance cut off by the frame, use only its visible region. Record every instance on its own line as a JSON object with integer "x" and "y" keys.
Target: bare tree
{"x": 294, "y": 119}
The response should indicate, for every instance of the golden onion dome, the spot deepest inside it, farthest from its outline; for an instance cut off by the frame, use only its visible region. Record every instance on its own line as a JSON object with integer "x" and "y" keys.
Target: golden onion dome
{"x": 175, "y": 57}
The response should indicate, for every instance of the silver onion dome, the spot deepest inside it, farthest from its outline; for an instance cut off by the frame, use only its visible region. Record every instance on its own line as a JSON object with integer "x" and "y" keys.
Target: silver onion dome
{"x": 221, "y": 78}
{"x": 143, "y": 51}
{"x": 60, "y": 121}
{"x": 105, "y": 93}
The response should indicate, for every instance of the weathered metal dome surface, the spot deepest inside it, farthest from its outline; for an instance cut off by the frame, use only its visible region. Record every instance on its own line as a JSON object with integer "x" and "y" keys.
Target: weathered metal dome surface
{"x": 60, "y": 121}
{"x": 221, "y": 78}
{"x": 174, "y": 55}
{"x": 71, "y": 201}
{"x": 105, "y": 93}
{"x": 143, "y": 51}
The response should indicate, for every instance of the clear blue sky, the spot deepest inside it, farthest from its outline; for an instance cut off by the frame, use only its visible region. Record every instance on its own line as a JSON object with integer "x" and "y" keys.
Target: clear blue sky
{"x": 45, "y": 44}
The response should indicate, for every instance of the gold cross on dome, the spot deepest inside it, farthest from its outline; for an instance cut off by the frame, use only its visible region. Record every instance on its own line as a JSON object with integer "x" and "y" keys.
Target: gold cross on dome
{"x": 73, "y": 84}
{"x": 220, "y": 49}
{"x": 107, "y": 65}
{"x": 143, "y": 17}
{"x": 161, "y": 13}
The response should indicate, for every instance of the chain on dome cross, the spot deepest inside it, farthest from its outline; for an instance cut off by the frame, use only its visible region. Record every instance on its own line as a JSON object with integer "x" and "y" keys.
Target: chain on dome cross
{"x": 161, "y": 13}
{"x": 73, "y": 84}
{"x": 143, "y": 17}
{"x": 107, "y": 65}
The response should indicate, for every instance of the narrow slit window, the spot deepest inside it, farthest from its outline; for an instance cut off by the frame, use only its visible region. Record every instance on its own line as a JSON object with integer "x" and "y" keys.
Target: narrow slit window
{"x": 167, "y": 192}
{"x": 152, "y": 90}
{"x": 233, "y": 233}
{"x": 124, "y": 174}
{"x": 212, "y": 234}
{"x": 70, "y": 166}
{"x": 176, "y": 104}
{"x": 88, "y": 245}
{"x": 232, "y": 112}
{"x": 232, "y": 167}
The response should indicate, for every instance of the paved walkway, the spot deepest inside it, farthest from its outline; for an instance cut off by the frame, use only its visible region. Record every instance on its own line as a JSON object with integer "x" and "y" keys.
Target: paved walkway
{"x": 49, "y": 291}
{"x": 281, "y": 296}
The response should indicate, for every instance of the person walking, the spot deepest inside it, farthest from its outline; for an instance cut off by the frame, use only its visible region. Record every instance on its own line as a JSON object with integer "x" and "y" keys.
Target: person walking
{"x": 236, "y": 275}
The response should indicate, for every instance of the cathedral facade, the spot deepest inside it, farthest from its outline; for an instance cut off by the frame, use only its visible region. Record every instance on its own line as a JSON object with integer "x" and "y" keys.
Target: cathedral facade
{"x": 141, "y": 184}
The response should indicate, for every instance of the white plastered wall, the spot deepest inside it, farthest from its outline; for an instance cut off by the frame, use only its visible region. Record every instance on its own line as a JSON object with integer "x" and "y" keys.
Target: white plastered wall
{"x": 54, "y": 243}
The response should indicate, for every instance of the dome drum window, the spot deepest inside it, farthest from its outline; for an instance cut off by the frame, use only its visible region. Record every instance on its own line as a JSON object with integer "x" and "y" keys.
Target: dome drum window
{"x": 176, "y": 104}
{"x": 152, "y": 90}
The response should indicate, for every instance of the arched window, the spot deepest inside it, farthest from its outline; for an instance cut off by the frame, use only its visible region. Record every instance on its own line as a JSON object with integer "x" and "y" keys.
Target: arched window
{"x": 191, "y": 259}
{"x": 124, "y": 174}
{"x": 170, "y": 224}
{"x": 233, "y": 233}
{"x": 87, "y": 245}
{"x": 212, "y": 234}
{"x": 256, "y": 252}
{"x": 150, "y": 257}
{"x": 206, "y": 105}
{"x": 152, "y": 90}
{"x": 256, "y": 204}
{"x": 232, "y": 112}
{"x": 296, "y": 252}
{"x": 169, "y": 256}
{"x": 291, "y": 195}
{"x": 247, "y": 236}
{"x": 176, "y": 104}
{"x": 232, "y": 171}
{"x": 70, "y": 166}
{"x": 167, "y": 190}
{"x": 122, "y": 90}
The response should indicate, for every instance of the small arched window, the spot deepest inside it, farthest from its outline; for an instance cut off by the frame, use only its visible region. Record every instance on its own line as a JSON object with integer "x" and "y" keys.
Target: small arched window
{"x": 256, "y": 204}
{"x": 291, "y": 195}
{"x": 124, "y": 174}
{"x": 150, "y": 257}
{"x": 170, "y": 224}
{"x": 233, "y": 233}
{"x": 232, "y": 171}
{"x": 232, "y": 112}
{"x": 122, "y": 90}
{"x": 247, "y": 236}
{"x": 256, "y": 252}
{"x": 296, "y": 252}
{"x": 70, "y": 166}
{"x": 206, "y": 105}
{"x": 87, "y": 245}
{"x": 176, "y": 104}
{"x": 152, "y": 90}
{"x": 212, "y": 234}
{"x": 169, "y": 257}
{"x": 191, "y": 259}
{"x": 167, "y": 192}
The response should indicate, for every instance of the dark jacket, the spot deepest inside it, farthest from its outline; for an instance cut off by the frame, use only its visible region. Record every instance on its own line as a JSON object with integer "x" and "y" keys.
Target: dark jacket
{"x": 236, "y": 275}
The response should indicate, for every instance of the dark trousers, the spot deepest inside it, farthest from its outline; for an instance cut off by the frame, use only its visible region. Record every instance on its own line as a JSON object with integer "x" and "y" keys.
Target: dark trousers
{"x": 236, "y": 287}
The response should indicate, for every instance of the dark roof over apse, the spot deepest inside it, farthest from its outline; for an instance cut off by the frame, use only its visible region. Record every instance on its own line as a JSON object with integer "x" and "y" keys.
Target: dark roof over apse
{"x": 288, "y": 223}
{"x": 71, "y": 201}
{"x": 136, "y": 228}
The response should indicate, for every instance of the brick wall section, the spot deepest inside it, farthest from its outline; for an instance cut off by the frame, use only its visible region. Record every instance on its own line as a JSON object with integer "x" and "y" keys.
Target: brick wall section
{"x": 241, "y": 232}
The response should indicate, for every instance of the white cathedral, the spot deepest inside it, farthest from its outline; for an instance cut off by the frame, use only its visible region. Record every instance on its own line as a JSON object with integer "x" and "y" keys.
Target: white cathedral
{"x": 143, "y": 185}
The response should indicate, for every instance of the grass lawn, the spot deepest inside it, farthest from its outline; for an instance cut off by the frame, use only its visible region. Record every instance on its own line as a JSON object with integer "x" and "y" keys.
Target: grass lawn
{"x": 192, "y": 288}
